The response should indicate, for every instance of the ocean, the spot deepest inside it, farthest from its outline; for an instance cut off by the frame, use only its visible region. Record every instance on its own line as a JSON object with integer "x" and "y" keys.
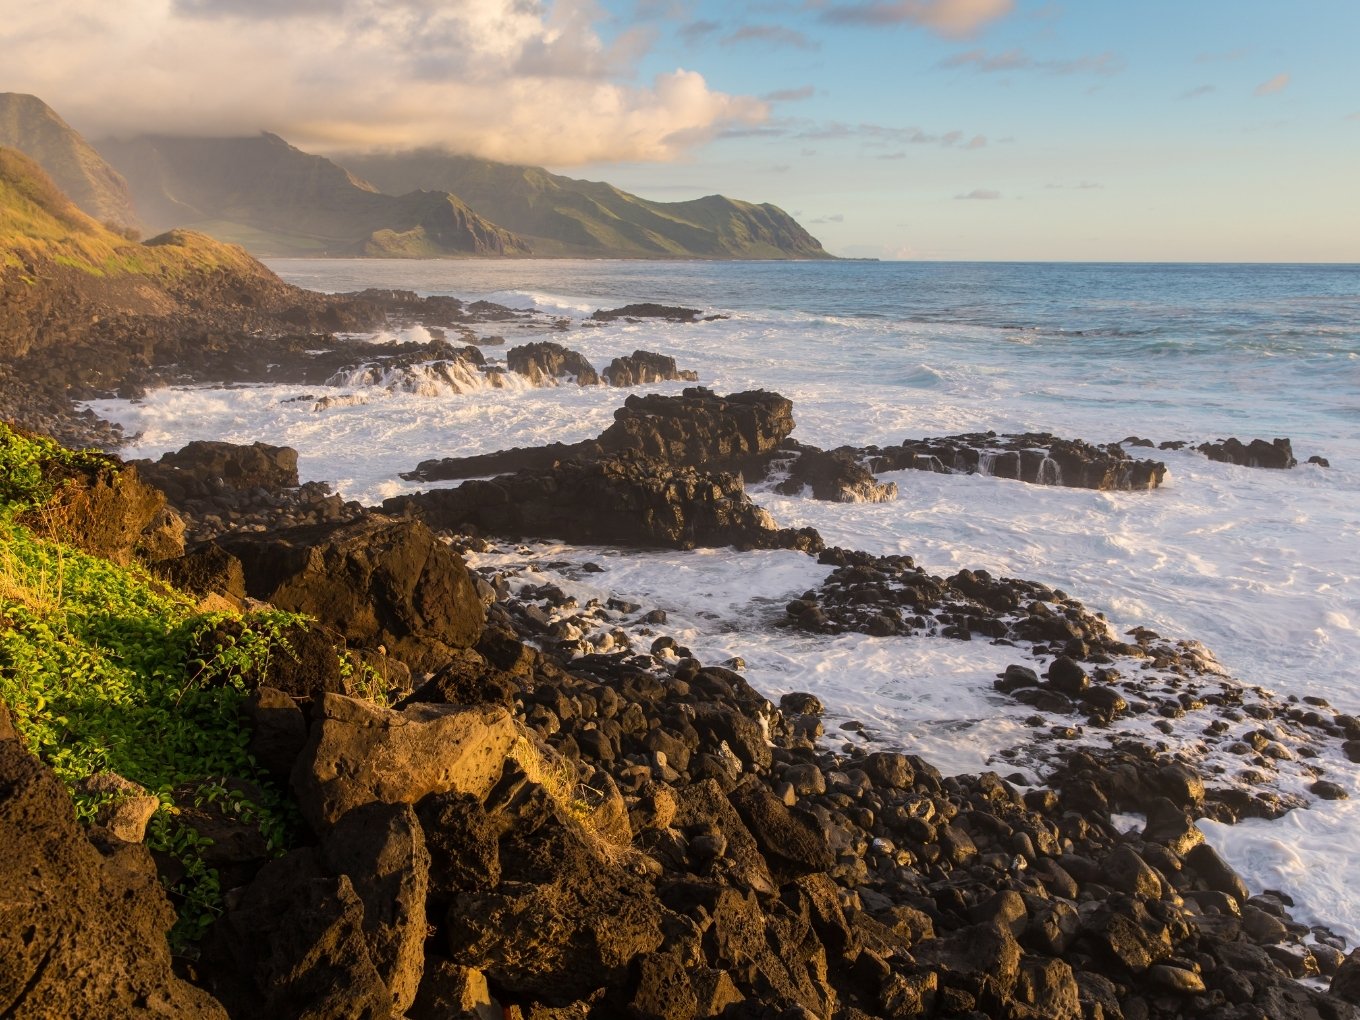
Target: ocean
{"x": 1262, "y": 567}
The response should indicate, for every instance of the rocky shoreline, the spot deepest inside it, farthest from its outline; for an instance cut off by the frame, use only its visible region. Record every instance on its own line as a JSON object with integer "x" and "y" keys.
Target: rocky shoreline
{"x": 512, "y": 806}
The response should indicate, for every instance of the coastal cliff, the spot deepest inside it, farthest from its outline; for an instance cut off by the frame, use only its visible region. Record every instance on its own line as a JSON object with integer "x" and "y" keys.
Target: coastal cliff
{"x": 268, "y": 753}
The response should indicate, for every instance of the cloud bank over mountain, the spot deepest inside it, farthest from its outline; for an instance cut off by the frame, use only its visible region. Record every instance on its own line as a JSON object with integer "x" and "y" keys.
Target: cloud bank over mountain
{"x": 511, "y": 80}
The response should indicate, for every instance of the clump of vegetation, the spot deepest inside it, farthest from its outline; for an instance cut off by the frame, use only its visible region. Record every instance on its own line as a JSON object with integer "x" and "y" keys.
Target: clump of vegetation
{"x": 106, "y": 669}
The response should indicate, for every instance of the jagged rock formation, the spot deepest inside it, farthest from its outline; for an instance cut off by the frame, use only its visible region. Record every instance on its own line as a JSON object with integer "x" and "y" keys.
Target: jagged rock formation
{"x": 626, "y": 500}
{"x": 1032, "y": 457}
{"x": 560, "y": 216}
{"x": 275, "y": 199}
{"x": 378, "y": 582}
{"x": 1278, "y": 453}
{"x": 698, "y": 428}
{"x": 33, "y": 128}
{"x": 641, "y": 368}
{"x": 646, "y": 310}
{"x": 836, "y": 476}
{"x": 636, "y": 834}
{"x": 544, "y": 362}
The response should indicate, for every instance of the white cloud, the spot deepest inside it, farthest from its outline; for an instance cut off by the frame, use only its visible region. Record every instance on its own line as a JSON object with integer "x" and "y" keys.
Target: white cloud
{"x": 947, "y": 17}
{"x": 1277, "y": 84}
{"x": 506, "y": 79}
{"x": 980, "y": 194}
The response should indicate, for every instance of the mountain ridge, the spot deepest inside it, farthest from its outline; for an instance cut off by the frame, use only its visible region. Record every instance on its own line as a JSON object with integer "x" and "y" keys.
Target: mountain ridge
{"x": 564, "y": 216}
{"x": 265, "y": 193}
{"x": 30, "y": 126}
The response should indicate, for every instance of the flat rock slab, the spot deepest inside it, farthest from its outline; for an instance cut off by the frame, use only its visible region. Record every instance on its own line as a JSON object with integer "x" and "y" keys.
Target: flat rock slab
{"x": 360, "y": 753}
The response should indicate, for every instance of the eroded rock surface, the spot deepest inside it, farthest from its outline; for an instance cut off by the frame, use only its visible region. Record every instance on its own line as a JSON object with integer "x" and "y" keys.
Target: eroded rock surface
{"x": 632, "y": 501}
{"x": 81, "y": 934}
{"x": 376, "y": 580}
{"x": 1036, "y": 457}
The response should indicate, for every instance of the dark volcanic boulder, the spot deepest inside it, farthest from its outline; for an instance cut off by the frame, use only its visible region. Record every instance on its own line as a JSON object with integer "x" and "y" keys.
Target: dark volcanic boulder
{"x": 646, "y": 310}
{"x": 259, "y": 466}
{"x": 376, "y": 580}
{"x": 630, "y": 501}
{"x": 1036, "y": 457}
{"x": 293, "y": 946}
{"x": 700, "y": 428}
{"x": 835, "y": 475}
{"x": 519, "y": 458}
{"x": 566, "y": 918}
{"x": 546, "y": 362}
{"x": 643, "y": 367}
{"x": 1258, "y": 453}
{"x": 81, "y": 935}
{"x": 381, "y": 847}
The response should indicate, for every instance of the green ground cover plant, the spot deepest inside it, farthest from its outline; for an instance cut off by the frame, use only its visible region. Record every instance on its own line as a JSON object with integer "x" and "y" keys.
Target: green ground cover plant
{"x": 106, "y": 668}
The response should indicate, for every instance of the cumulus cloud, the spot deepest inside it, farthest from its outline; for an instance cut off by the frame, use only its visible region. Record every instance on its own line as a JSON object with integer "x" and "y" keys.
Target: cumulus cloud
{"x": 980, "y": 194}
{"x": 1277, "y": 84}
{"x": 1019, "y": 60}
{"x": 946, "y": 17}
{"x": 771, "y": 35}
{"x": 516, "y": 80}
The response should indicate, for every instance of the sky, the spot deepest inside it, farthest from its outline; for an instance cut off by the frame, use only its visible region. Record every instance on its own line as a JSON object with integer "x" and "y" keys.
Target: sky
{"x": 1194, "y": 130}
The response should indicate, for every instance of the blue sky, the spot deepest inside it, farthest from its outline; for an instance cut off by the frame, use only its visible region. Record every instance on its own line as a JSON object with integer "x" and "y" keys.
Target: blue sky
{"x": 1214, "y": 130}
{"x": 1152, "y": 131}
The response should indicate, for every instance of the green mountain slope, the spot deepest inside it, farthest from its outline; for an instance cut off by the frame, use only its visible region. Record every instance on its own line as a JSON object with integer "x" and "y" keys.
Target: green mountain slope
{"x": 277, "y": 200}
{"x": 563, "y": 216}
{"x": 33, "y": 128}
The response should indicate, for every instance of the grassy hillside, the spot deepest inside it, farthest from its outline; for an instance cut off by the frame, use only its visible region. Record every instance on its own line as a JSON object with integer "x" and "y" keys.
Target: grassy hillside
{"x": 64, "y": 277}
{"x": 278, "y": 200}
{"x": 33, "y": 128}
{"x": 563, "y": 216}
{"x": 38, "y": 222}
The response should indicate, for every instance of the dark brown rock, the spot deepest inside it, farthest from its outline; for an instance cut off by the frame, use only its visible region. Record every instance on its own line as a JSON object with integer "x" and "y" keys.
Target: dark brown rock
{"x": 359, "y": 753}
{"x": 381, "y": 848}
{"x": 792, "y": 844}
{"x": 278, "y": 731}
{"x": 642, "y": 368}
{"x": 80, "y": 935}
{"x": 564, "y": 919}
{"x": 206, "y": 570}
{"x": 545, "y": 362}
{"x": 293, "y": 946}
{"x": 1277, "y": 453}
{"x": 1036, "y": 457}
{"x": 836, "y": 476}
{"x": 259, "y": 466}
{"x": 376, "y": 580}
{"x": 623, "y": 501}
